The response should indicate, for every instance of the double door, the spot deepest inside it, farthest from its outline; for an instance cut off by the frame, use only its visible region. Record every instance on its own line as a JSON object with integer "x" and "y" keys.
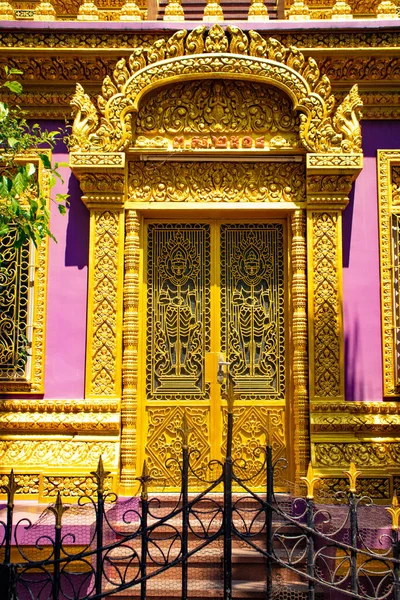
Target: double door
{"x": 212, "y": 291}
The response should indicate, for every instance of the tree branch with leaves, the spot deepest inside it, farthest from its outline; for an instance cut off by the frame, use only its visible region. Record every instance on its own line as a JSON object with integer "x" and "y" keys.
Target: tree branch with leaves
{"x": 23, "y": 203}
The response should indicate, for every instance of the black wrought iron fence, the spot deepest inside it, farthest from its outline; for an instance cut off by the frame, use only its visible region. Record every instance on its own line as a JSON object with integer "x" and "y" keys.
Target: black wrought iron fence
{"x": 337, "y": 551}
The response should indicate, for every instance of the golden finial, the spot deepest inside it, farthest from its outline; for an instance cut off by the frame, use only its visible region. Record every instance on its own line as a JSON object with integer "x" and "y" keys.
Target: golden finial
{"x": 341, "y": 11}
{"x": 386, "y": 10}
{"x": 310, "y": 481}
{"x": 299, "y": 11}
{"x": 88, "y": 11}
{"x": 144, "y": 481}
{"x": 11, "y": 488}
{"x": 174, "y": 11}
{"x": 229, "y": 395}
{"x": 6, "y": 12}
{"x": 45, "y": 11}
{"x": 130, "y": 11}
{"x": 100, "y": 475}
{"x": 258, "y": 11}
{"x": 394, "y": 512}
{"x": 352, "y": 474}
{"x": 213, "y": 12}
{"x": 185, "y": 430}
{"x": 58, "y": 510}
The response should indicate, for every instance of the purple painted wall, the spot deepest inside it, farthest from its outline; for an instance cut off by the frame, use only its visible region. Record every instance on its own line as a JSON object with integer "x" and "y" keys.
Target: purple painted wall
{"x": 67, "y": 290}
{"x": 361, "y": 275}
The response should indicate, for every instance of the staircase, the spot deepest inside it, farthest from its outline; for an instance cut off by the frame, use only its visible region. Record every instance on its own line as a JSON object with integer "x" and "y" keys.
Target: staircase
{"x": 233, "y": 11}
{"x": 205, "y": 567}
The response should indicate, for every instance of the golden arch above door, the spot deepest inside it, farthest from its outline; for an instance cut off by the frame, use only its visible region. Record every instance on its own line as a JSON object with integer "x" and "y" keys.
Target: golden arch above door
{"x": 213, "y": 287}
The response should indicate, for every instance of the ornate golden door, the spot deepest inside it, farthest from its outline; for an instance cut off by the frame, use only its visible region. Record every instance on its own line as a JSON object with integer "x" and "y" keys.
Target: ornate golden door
{"x": 213, "y": 289}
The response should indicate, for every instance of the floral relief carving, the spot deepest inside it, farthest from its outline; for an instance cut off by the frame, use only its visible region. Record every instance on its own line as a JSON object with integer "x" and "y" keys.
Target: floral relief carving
{"x": 214, "y": 106}
{"x": 254, "y": 427}
{"x": 216, "y": 182}
{"x": 326, "y": 305}
{"x": 104, "y": 344}
{"x": 56, "y": 453}
{"x": 164, "y": 442}
{"x": 364, "y": 454}
{"x": 198, "y": 55}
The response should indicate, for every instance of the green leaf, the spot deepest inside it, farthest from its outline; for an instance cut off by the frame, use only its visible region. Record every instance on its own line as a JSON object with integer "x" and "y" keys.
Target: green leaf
{"x": 3, "y": 111}
{"x": 13, "y": 86}
{"x": 14, "y": 71}
{"x": 45, "y": 160}
{"x": 61, "y": 209}
{"x": 30, "y": 169}
{"x": 20, "y": 182}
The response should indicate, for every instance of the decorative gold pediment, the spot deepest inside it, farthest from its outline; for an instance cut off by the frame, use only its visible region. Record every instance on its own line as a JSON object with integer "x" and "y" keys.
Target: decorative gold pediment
{"x": 217, "y": 54}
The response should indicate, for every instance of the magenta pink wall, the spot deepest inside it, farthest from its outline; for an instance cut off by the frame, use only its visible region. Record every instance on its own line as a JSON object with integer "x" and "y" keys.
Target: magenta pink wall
{"x": 361, "y": 276}
{"x": 67, "y": 291}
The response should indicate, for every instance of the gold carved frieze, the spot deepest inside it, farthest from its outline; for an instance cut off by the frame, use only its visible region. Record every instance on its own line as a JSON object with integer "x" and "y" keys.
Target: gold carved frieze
{"x": 319, "y": 39}
{"x": 164, "y": 444}
{"x": 72, "y": 486}
{"x": 325, "y": 359}
{"x": 61, "y": 68}
{"x": 102, "y": 182}
{"x": 197, "y": 55}
{"x": 335, "y": 162}
{"x": 28, "y": 483}
{"x": 216, "y": 182}
{"x": 103, "y": 422}
{"x": 217, "y": 114}
{"x": 378, "y": 488}
{"x": 364, "y": 423}
{"x": 60, "y": 406}
{"x": 57, "y": 453}
{"x": 103, "y": 358}
{"x": 97, "y": 159}
{"x": 363, "y": 454}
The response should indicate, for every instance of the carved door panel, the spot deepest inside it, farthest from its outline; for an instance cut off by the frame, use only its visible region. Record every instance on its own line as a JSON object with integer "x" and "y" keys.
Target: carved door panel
{"x": 213, "y": 287}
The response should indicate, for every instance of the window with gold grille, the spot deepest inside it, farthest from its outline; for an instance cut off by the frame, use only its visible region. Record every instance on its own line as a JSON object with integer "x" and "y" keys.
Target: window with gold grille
{"x": 16, "y": 284}
{"x": 23, "y": 278}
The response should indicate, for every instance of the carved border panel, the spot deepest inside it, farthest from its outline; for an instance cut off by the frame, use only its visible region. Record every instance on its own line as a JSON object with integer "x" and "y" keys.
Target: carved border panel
{"x": 325, "y": 311}
{"x": 104, "y": 311}
{"x": 388, "y": 206}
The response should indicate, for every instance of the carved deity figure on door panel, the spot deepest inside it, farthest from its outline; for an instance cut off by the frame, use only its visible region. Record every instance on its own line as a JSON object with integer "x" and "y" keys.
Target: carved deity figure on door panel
{"x": 178, "y": 331}
{"x": 252, "y": 331}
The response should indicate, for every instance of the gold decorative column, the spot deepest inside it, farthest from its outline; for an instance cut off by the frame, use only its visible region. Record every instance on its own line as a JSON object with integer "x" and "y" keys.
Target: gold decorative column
{"x": 300, "y": 363}
{"x": 329, "y": 181}
{"x": 102, "y": 180}
{"x": 130, "y": 357}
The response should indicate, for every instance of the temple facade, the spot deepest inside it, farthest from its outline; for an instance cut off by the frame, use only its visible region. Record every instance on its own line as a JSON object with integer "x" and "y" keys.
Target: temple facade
{"x": 234, "y": 193}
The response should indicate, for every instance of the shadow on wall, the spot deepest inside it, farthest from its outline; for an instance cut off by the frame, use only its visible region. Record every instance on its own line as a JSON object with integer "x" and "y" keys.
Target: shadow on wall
{"x": 347, "y": 224}
{"x": 354, "y": 384}
{"x": 77, "y": 242}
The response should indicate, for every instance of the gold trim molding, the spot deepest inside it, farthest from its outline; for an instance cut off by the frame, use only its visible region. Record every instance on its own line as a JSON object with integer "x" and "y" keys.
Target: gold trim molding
{"x": 386, "y": 160}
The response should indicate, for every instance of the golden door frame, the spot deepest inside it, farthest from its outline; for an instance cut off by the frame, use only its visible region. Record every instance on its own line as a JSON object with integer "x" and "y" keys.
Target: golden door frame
{"x": 100, "y": 154}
